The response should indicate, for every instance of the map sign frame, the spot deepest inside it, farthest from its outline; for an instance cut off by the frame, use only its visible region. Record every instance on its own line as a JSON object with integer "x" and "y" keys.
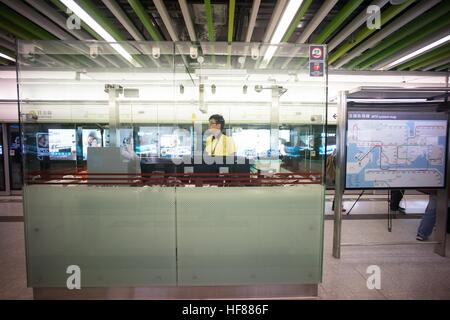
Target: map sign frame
{"x": 395, "y": 149}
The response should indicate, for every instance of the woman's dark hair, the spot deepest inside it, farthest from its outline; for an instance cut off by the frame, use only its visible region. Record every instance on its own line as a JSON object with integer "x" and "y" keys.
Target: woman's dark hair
{"x": 219, "y": 119}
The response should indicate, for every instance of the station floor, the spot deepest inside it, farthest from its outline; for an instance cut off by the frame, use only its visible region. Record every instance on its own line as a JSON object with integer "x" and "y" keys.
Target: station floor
{"x": 410, "y": 270}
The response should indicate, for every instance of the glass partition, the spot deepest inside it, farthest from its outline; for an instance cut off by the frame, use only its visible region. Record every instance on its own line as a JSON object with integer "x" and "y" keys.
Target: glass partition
{"x": 178, "y": 164}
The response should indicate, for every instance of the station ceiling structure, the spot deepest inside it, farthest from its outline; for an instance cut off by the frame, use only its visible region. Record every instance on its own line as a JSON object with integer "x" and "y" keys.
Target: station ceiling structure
{"x": 395, "y": 35}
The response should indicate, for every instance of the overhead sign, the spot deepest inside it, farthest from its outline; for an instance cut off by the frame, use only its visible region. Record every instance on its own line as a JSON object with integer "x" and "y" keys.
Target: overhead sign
{"x": 316, "y": 61}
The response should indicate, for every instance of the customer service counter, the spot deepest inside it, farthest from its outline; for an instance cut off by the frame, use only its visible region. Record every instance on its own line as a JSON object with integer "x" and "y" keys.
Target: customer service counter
{"x": 151, "y": 227}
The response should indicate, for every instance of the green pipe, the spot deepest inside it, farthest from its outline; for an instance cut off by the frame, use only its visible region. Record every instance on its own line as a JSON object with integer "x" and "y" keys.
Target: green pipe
{"x": 209, "y": 18}
{"x": 446, "y": 67}
{"x": 145, "y": 19}
{"x": 98, "y": 16}
{"x": 18, "y": 32}
{"x": 63, "y": 8}
{"x": 431, "y": 28}
{"x": 231, "y": 9}
{"x": 24, "y": 23}
{"x": 431, "y": 60}
{"x": 425, "y": 57}
{"x": 386, "y": 16}
{"x": 405, "y": 31}
{"x": 343, "y": 14}
{"x": 298, "y": 16}
{"x": 8, "y": 52}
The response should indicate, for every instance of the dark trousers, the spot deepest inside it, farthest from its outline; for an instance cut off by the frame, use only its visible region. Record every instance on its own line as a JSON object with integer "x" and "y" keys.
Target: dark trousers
{"x": 396, "y": 197}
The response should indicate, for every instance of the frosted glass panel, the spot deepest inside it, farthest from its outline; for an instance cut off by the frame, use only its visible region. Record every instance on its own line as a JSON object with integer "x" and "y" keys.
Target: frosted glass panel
{"x": 118, "y": 236}
{"x": 238, "y": 236}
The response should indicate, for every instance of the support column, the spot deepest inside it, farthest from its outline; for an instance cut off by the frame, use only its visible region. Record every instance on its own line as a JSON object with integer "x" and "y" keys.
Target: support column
{"x": 340, "y": 170}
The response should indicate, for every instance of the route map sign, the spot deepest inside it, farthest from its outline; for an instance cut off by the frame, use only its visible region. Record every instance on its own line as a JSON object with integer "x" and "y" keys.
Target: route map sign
{"x": 396, "y": 149}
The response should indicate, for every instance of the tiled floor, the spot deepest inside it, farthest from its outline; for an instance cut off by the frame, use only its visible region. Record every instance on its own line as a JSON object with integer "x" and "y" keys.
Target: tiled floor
{"x": 410, "y": 271}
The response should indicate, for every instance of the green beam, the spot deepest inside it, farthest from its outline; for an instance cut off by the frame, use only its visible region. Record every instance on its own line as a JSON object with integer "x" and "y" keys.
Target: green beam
{"x": 8, "y": 52}
{"x": 145, "y": 19}
{"x": 18, "y": 32}
{"x": 341, "y": 16}
{"x": 209, "y": 18}
{"x": 425, "y": 57}
{"x": 91, "y": 31}
{"x": 386, "y": 16}
{"x": 431, "y": 60}
{"x": 98, "y": 16}
{"x": 231, "y": 8}
{"x": 405, "y": 31}
{"x": 11, "y": 16}
{"x": 435, "y": 26}
{"x": 446, "y": 67}
{"x": 298, "y": 16}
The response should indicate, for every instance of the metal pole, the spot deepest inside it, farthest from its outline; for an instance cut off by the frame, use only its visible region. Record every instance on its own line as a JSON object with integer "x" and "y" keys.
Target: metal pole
{"x": 340, "y": 179}
{"x": 442, "y": 212}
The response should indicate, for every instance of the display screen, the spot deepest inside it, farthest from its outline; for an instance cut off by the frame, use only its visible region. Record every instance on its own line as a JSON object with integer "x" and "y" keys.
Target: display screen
{"x": 331, "y": 144}
{"x": 400, "y": 149}
{"x": 62, "y": 144}
{"x": 164, "y": 142}
{"x": 1, "y": 150}
{"x": 42, "y": 144}
{"x": 92, "y": 138}
{"x": 252, "y": 143}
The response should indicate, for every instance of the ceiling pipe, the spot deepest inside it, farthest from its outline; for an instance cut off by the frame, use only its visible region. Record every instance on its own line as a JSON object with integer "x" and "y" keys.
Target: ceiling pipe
{"x": 8, "y": 45}
{"x": 145, "y": 19}
{"x": 274, "y": 19}
{"x": 340, "y": 17}
{"x": 352, "y": 26}
{"x": 435, "y": 65}
{"x": 231, "y": 10}
{"x": 435, "y": 52}
{"x": 294, "y": 24}
{"x": 252, "y": 21}
{"x": 387, "y": 31}
{"x": 89, "y": 30}
{"x": 16, "y": 19}
{"x": 37, "y": 18}
{"x": 428, "y": 30}
{"x": 48, "y": 25}
{"x": 386, "y": 16}
{"x": 187, "y": 19}
{"x": 428, "y": 58}
{"x": 162, "y": 10}
{"x": 316, "y": 20}
{"x": 446, "y": 67}
{"x": 121, "y": 16}
{"x": 58, "y": 19}
{"x": 403, "y": 34}
{"x": 418, "y": 45}
{"x": 6, "y": 37}
{"x": 209, "y": 19}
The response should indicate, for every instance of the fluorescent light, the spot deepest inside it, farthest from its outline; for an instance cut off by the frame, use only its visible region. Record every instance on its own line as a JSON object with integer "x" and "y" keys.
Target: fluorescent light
{"x": 83, "y": 15}
{"x": 4, "y": 56}
{"x": 417, "y": 52}
{"x": 284, "y": 23}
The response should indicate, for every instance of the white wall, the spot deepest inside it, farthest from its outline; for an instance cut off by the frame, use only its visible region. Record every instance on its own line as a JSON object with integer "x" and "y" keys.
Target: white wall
{"x": 73, "y": 97}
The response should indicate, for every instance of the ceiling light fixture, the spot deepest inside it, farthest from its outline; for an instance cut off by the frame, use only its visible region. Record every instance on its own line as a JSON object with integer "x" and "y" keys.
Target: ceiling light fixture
{"x": 83, "y": 15}
{"x": 416, "y": 53}
{"x": 4, "y": 56}
{"x": 286, "y": 19}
